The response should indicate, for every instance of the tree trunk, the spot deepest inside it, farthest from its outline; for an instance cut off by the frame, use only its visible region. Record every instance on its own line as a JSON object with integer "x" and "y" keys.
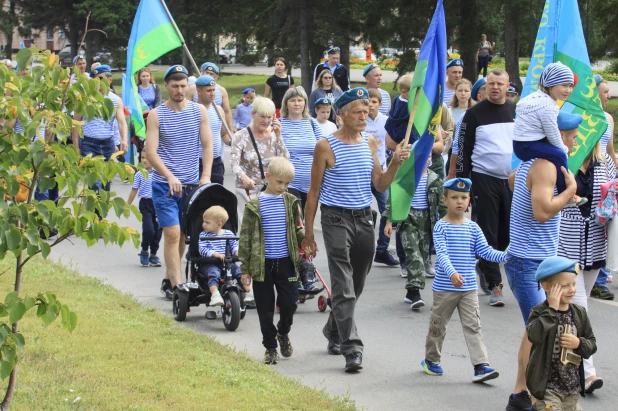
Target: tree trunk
{"x": 469, "y": 35}
{"x": 345, "y": 55}
{"x": 11, "y": 23}
{"x": 10, "y": 389}
{"x": 512, "y": 23}
{"x": 305, "y": 44}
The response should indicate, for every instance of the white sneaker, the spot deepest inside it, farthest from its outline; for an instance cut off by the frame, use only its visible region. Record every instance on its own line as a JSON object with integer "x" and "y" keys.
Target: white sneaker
{"x": 430, "y": 272}
{"x": 404, "y": 272}
{"x": 249, "y": 298}
{"x": 216, "y": 299}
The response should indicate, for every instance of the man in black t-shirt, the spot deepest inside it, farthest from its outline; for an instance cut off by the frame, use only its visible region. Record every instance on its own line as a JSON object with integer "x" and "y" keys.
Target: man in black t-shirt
{"x": 340, "y": 72}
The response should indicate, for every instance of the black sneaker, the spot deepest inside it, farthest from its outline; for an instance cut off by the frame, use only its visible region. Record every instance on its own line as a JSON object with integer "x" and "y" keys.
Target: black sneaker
{"x": 333, "y": 347}
{"x": 271, "y": 356}
{"x": 482, "y": 282}
{"x": 409, "y": 296}
{"x": 520, "y": 402}
{"x": 353, "y": 361}
{"x": 601, "y": 293}
{"x": 384, "y": 257}
{"x": 285, "y": 345}
{"x": 416, "y": 301}
{"x": 166, "y": 289}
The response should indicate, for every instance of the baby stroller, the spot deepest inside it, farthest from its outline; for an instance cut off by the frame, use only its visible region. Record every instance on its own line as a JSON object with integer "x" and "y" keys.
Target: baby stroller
{"x": 309, "y": 275}
{"x": 195, "y": 291}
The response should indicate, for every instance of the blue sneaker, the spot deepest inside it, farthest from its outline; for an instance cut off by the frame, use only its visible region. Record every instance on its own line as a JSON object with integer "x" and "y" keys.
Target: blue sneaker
{"x": 483, "y": 372}
{"x": 432, "y": 368}
{"x": 154, "y": 261}
{"x": 143, "y": 258}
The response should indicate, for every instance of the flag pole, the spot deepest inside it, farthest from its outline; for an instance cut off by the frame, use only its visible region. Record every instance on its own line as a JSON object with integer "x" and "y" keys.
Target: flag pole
{"x": 195, "y": 67}
{"x": 412, "y": 114}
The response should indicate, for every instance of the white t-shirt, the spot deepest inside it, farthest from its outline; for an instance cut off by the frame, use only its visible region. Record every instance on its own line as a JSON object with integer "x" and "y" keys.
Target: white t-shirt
{"x": 376, "y": 127}
{"x": 328, "y": 128}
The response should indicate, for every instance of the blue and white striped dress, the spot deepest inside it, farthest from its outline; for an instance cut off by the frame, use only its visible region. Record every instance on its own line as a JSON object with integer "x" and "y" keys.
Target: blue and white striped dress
{"x": 530, "y": 239}
{"x": 143, "y": 185}
{"x": 348, "y": 183}
{"x": 208, "y": 248}
{"x": 215, "y": 129}
{"x": 179, "y": 143}
{"x": 98, "y": 128}
{"x": 386, "y": 102}
{"x": 300, "y": 138}
{"x": 419, "y": 201}
{"x": 456, "y": 249}
{"x": 272, "y": 211}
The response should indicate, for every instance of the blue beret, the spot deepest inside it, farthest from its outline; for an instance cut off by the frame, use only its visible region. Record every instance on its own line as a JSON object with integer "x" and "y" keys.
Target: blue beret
{"x": 78, "y": 57}
{"x": 351, "y": 95}
{"x": 177, "y": 68}
{"x": 458, "y": 184}
{"x": 555, "y": 265}
{"x": 323, "y": 100}
{"x": 247, "y": 90}
{"x": 511, "y": 90}
{"x": 203, "y": 81}
{"x": 455, "y": 63}
{"x": 598, "y": 79}
{"x": 333, "y": 50}
{"x": 368, "y": 68}
{"x": 210, "y": 67}
{"x": 101, "y": 69}
{"x": 475, "y": 88}
{"x": 568, "y": 121}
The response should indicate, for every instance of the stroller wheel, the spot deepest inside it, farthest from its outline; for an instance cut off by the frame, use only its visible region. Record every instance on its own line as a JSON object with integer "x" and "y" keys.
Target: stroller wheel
{"x": 321, "y": 303}
{"x": 231, "y": 311}
{"x": 180, "y": 305}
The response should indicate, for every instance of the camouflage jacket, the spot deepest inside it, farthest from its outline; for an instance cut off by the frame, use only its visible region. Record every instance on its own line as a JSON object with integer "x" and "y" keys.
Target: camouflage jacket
{"x": 251, "y": 248}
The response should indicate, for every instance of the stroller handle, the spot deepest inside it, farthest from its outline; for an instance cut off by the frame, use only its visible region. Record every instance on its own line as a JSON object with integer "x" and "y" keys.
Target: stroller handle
{"x": 209, "y": 238}
{"x": 213, "y": 260}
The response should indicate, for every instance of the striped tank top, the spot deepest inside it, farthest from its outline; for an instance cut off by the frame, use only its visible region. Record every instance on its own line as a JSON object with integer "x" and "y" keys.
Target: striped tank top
{"x": 272, "y": 210}
{"x": 447, "y": 95}
{"x": 179, "y": 142}
{"x": 300, "y": 138}
{"x": 419, "y": 201}
{"x": 386, "y": 102}
{"x": 98, "y": 128}
{"x": 606, "y": 136}
{"x": 215, "y": 129}
{"x": 218, "y": 98}
{"x": 348, "y": 183}
{"x": 530, "y": 239}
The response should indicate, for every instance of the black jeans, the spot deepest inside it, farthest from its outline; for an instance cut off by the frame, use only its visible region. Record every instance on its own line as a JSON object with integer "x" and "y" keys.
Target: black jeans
{"x": 483, "y": 63}
{"x": 151, "y": 232}
{"x": 216, "y": 172}
{"x": 279, "y": 274}
{"x": 301, "y": 196}
{"x": 493, "y": 206}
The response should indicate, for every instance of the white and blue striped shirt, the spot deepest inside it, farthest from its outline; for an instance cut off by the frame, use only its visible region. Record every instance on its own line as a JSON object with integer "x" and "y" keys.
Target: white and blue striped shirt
{"x": 447, "y": 95}
{"x": 143, "y": 185}
{"x": 300, "y": 138}
{"x": 419, "y": 201}
{"x": 98, "y": 128}
{"x": 215, "y": 129}
{"x": 208, "y": 248}
{"x": 179, "y": 142}
{"x": 272, "y": 210}
{"x": 609, "y": 132}
{"x": 348, "y": 183}
{"x": 456, "y": 249}
{"x": 530, "y": 239}
{"x": 386, "y": 102}
{"x": 456, "y": 135}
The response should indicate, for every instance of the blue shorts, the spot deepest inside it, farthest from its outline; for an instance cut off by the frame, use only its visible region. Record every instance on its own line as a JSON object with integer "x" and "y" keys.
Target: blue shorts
{"x": 521, "y": 274}
{"x": 169, "y": 209}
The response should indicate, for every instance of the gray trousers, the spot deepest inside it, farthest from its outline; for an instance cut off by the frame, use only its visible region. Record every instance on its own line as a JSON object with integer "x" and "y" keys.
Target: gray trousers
{"x": 467, "y": 304}
{"x": 349, "y": 239}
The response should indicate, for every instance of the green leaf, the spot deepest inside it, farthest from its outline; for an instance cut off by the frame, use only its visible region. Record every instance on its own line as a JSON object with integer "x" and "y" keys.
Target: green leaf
{"x": 45, "y": 248}
{"x": 33, "y": 236}
{"x": 5, "y": 367}
{"x": 11, "y": 298}
{"x": 3, "y": 334}
{"x": 13, "y": 238}
{"x": 41, "y": 309}
{"x": 8, "y": 353}
{"x": 3, "y": 311}
{"x": 24, "y": 57}
{"x": 16, "y": 311}
{"x": 18, "y": 339}
{"x": 28, "y": 303}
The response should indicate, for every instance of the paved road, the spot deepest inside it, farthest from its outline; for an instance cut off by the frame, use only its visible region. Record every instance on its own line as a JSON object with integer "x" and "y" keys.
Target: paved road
{"x": 394, "y": 337}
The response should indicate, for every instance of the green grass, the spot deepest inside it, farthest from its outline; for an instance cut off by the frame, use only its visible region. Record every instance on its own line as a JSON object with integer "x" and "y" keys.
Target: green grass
{"x": 124, "y": 355}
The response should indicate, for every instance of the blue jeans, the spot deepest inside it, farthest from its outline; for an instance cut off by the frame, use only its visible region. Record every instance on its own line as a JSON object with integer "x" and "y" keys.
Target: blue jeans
{"x": 527, "y": 291}
{"x": 214, "y": 272}
{"x": 602, "y": 278}
{"x": 527, "y": 150}
{"x": 383, "y": 240}
{"x": 97, "y": 147}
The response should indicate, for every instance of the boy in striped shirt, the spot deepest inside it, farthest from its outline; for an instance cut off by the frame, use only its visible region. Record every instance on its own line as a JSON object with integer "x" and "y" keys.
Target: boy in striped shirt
{"x": 214, "y": 219}
{"x": 458, "y": 241}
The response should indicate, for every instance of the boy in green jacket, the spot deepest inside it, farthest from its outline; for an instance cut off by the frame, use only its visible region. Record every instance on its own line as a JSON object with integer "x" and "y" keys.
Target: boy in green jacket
{"x": 270, "y": 236}
{"x": 561, "y": 338}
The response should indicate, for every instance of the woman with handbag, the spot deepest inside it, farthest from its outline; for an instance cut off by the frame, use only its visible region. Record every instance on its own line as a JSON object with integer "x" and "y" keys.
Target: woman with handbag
{"x": 252, "y": 149}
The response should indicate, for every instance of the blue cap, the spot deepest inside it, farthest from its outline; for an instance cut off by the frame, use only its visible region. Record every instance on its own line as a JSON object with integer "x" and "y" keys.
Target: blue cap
{"x": 458, "y": 184}
{"x": 568, "y": 121}
{"x": 177, "y": 68}
{"x": 78, "y": 57}
{"x": 101, "y": 69}
{"x": 204, "y": 81}
{"x": 368, "y": 68}
{"x": 511, "y": 90}
{"x": 324, "y": 100}
{"x": 455, "y": 63}
{"x": 556, "y": 73}
{"x": 555, "y": 265}
{"x": 351, "y": 95}
{"x": 334, "y": 50}
{"x": 598, "y": 79}
{"x": 210, "y": 67}
{"x": 475, "y": 88}
{"x": 247, "y": 90}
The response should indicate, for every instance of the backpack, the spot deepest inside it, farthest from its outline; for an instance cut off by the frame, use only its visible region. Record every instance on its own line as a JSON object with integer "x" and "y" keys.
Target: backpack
{"x": 606, "y": 209}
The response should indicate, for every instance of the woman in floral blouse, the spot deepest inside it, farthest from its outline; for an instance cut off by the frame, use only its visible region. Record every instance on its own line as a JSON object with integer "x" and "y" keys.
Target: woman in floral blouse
{"x": 266, "y": 131}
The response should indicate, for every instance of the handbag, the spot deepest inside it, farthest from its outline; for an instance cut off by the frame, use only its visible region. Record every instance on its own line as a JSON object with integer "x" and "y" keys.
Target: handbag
{"x": 259, "y": 160}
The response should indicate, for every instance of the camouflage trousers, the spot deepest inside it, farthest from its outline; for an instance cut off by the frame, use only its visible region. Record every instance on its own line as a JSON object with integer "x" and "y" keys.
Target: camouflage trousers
{"x": 415, "y": 238}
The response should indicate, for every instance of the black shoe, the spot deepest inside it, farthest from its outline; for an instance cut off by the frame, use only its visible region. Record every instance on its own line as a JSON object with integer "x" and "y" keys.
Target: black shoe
{"x": 271, "y": 356}
{"x": 353, "y": 361}
{"x": 385, "y": 257}
{"x": 601, "y": 293}
{"x": 166, "y": 289}
{"x": 285, "y": 345}
{"x": 333, "y": 346}
{"x": 520, "y": 403}
{"x": 415, "y": 301}
{"x": 482, "y": 282}
{"x": 409, "y": 296}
